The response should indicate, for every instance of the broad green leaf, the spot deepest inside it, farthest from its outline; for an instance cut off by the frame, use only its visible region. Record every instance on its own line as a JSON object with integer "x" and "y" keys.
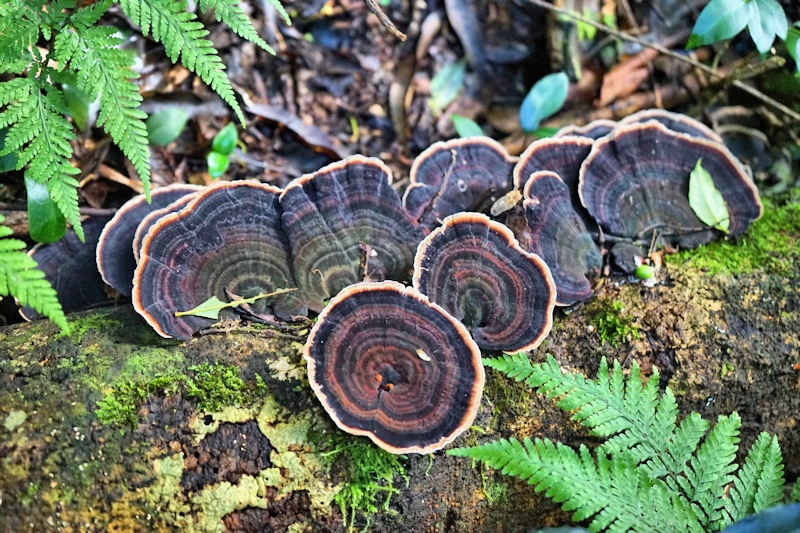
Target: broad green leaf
{"x": 163, "y": 127}
{"x": 45, "y": 221}
{"x": 78, "y": 103}
{"x": 8, "y": 162}
{"x": 466, "y": 127}
{"x": 719, "y": 20}
{"x": 545, "y": 98}
{"x": 217, "y": 164}
{"x": 705, "y": 199}
{"x": 211, "y": 307}
{"x": 766, "y": 20}
{"x": 225, "y": 141}
{"x": 793, "y": 44}
{"x": 447, "y": 84}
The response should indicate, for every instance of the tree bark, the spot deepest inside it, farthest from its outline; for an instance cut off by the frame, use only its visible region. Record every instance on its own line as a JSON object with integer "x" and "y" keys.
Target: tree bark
{"x": 254, "y": 458}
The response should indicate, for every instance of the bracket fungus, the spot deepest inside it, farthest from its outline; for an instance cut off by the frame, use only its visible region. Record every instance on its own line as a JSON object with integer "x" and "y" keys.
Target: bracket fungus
{"x": 64, "y": 264}
{"x": 346, "y": 224}
{"x": 552, "y": 229}
{"x": 675, "y": 122}
{"x": 475, "y": 269}
{"x": 149, "y": 220}
{"x": 636, "y": 182}
{"x": 593, "y": 130}
{"x": 227, "y": 241}
{"x": 458, "y": 175}
{"x": 387, "y": 363}
{"x": 115, "y": 259}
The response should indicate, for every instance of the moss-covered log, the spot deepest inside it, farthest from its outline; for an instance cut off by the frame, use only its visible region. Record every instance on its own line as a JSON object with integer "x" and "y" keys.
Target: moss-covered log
{"x": 113, "y": 428}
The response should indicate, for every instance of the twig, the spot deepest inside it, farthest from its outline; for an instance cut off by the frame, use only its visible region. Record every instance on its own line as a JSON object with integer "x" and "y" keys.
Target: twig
{"x": 384, "y": 19}
{"x": 667, "y": 52}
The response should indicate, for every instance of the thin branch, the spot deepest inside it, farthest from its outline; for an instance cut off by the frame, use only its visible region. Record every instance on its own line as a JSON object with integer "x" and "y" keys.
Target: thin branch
{"x": 667, "y": 52}
{"x": 385, "y": 20}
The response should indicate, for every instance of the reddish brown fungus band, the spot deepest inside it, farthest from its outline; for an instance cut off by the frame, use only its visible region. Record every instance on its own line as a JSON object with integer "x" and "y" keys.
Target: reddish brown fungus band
{"x": 388, "y": 364}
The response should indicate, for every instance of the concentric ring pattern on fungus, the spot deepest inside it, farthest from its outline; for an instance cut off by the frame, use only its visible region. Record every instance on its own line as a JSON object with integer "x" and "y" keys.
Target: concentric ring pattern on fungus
{"x": 226, "y": 243}
{"x": 388, "y": 364}
{"x": 475, "y": 269}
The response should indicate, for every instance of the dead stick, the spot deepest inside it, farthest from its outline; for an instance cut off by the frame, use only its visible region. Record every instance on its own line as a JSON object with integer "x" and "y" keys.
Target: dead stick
{"x": 667, "y": 52}
{"x": 385, "y": 21}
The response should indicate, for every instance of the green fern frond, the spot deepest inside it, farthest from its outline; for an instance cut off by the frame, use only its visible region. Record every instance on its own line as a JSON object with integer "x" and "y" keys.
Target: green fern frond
{"x": 183, "y": 36}
{"x": 20, "y": 27}
{"x": 19, "y": 277}
{"x": 795, "y": 495}
{"x": 711, "y": 469}
{"x": 609, "y": 490}
{"x": 229, "y": 12}
{"x": 39, "y": 129}
{"x": 104, "y": 72}
{"x": 759, "y": 482}
{"x": 90, "y": 15}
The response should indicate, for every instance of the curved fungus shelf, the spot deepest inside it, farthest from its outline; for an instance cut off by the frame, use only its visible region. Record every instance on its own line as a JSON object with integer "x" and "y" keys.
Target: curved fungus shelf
{"x": 149, "y": 220}
{"x": 552, "y": 229}
{"x": 227, "y": 242}
{"x": 115, "y": 259}
{"x": 387, "y": 363}
{"x": 346, "y": 224}
{"x": 593, "y": 130}
{"x": 636, "y": 182}
{"x": 457, "y": 175}
{"x": 475, "y": 269}
{"x": 674, "y": 122}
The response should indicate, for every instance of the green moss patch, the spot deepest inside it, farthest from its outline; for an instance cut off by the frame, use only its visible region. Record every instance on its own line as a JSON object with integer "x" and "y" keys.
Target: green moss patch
{"x": 770, "y": 243}
{"x": 612, "y": 325}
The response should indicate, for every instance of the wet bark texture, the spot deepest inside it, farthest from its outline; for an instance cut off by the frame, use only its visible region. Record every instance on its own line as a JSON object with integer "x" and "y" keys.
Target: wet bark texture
{"x": 254, "y": 461}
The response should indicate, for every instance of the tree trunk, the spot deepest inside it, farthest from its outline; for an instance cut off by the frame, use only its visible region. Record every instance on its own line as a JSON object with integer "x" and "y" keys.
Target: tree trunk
{"x": 175, "y": 444}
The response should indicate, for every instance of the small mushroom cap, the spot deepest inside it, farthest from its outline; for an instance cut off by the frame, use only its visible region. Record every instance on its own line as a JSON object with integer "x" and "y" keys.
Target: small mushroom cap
{"x": 148, "y": 221}
{"x": 562, "y": 155}
{"x": 674, "y": 122}
{"x": 115, "y": 259}
{"x": 457, "y": 175}
{"x": 69, "y": 265}
{"x": 593, "y": 130}
{"x": 227, "y": 241}
{"x": 554, "y": 231}
{"x": 346, "y": 224}
{"x": 387, "y": 363}
{"x": 636, "y": 181}
{"x": 475, "y": 269}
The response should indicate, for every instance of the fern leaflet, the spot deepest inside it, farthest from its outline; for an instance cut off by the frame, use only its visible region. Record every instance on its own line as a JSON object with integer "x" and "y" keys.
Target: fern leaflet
{"x": 229, "y": 12}
{"x": 183, "y": 36}
{"x": 610, "y": 489}
{"x": 104, "y": 71}
{"x": 38, "y": 128}
{"x": 20, "y": 27}
{"x": 20, "y": 278}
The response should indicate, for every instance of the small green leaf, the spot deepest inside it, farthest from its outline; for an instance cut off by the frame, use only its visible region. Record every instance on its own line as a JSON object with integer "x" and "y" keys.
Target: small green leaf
{"x": 447, "y": 84}
{"x": 225, "y": 141}
{"x": 644, "y": 272}
{"x": 163, "y": 127}
{"x": 217, "y": 164}
{"x": 719, "y": 20}
{"x": 211, "y": 307}
{"x": 766, "y": 21}
{"x": 543, "y": 133}
{"x": 45, "y": 221}
{"x": 706, "y": 201}
{"x": 545, "y": 98}
{"x": 793, "y": 44}
{"x": 466, "y": 127}
{"x": 8, "y": 162}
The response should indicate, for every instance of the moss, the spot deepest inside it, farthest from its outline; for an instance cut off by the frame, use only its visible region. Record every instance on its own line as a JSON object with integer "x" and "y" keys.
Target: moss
{"x": 214, "y": 386}
{"x": 81, "y": 325}
{"x": 770, "y": 243}
{"x": 369, "y": 475}
{"x": 612, "y": 326}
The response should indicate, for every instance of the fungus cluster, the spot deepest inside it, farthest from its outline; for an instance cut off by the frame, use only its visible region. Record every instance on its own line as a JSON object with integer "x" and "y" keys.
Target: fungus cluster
{"x": 402, "y": 364}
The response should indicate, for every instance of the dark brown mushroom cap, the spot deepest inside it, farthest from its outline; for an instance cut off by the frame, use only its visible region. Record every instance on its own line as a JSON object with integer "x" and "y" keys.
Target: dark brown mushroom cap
{"x": 593, "y": 130}
{"x": 387, "y": 363}
{"x": 69, "y": 265}
{"x": 675, "y": 122}
{"x": 346, "y": 224}
{"x": 562, "y": 155}
{"x": 115, "y": 259}
{"x": 148, "y": 221}
{"x": 636, "y": 181}
{"x": 476, "y": 270}
{"x": 555, "y": 232}
{"x": 228, "y": 240}
{"x": 457, "y": 175}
